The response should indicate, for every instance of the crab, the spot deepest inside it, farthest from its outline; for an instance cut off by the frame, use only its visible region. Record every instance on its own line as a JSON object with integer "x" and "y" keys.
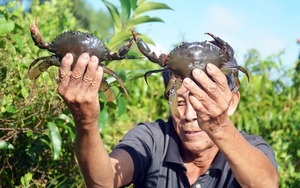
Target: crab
{"x": 76, "y": 42}
{"x": 187, "y": 56}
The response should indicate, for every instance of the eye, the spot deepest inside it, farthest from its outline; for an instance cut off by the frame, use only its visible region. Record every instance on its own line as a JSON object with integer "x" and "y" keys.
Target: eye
{"x": 181, "y": 102}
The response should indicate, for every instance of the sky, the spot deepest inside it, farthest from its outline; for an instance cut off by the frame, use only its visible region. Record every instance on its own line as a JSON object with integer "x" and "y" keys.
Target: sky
{"x": 269, "y": 26}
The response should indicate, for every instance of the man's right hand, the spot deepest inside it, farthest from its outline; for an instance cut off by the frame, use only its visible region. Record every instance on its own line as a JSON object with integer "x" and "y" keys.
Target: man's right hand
{"x": 79, "y": 87}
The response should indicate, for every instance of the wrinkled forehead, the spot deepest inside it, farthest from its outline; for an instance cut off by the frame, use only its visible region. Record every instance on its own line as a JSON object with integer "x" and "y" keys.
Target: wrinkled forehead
{"x": 182, "y": 91}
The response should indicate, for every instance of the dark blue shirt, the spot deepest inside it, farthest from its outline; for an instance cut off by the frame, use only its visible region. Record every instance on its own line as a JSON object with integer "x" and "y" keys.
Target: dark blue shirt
{"x": 154, "y": 148}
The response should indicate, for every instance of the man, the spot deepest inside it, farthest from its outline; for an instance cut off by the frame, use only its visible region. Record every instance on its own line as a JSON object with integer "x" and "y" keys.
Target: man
{"x": 202, "y": 148}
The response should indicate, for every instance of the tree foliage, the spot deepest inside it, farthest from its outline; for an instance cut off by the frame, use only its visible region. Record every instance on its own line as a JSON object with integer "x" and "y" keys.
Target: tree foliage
{"x": 37, "y": 132}
{"x": 270, "y": 107}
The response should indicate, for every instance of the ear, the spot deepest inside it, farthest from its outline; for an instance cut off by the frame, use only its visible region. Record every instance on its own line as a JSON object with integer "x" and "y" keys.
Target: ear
{"x": 234, "y": 103}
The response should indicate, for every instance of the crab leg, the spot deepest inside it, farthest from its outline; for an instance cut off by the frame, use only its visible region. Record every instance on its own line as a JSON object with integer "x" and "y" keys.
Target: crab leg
{"x": 37, "y": 37}
{"x": 227, "y": 49}
{"x": 233, "y": 69}
{"x": 173, "y": 98}
{"x": 147, "y": 52}
{"x": 104, "y": 87}
{"x": 48, "y": 61}
{"x": 148, "y": 73}
{"x": 122, "y": 51}
{"x": 116, "y": 76}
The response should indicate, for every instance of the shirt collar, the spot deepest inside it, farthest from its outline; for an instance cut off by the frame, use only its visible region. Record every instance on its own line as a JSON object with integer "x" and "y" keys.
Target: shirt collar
{"x": 173, "y": 152}
{"x": 219, "y": 162}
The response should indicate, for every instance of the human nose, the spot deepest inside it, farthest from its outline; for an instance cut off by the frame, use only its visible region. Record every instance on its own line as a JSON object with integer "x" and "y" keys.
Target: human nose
{"x": 190, "y": 113}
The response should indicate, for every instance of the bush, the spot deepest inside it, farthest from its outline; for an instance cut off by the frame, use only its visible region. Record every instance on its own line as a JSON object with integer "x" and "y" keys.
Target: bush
{"x": 270, "y": 107}
{"x": 37, "y": 132}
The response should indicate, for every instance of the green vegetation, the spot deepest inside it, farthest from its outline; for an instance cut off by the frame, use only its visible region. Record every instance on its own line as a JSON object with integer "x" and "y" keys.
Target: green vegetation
{"x": 36, "y": 129}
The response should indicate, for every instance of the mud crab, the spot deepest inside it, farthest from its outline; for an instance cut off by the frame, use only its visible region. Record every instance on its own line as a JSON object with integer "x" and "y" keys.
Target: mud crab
{"x": 76, "y": 42}
{"x": 187, "y": 56}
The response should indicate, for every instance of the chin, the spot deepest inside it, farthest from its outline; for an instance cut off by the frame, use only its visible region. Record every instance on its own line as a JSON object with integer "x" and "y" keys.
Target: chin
{"x": 198, "y": 145}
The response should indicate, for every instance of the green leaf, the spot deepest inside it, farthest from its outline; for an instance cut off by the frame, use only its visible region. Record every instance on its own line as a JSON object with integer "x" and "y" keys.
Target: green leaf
{"x": 10, "y": 109}
{"x": 24, "y": 92}
{"x": 119, "y": 39}
{"x": 19, "y": 42}
{"x": 149, "y": 6}
{"x": 135, "y": 74}
{"x": 56, "y": 139}
{"x": 67, "y": 119}
{"x": 102, "y": 118}
{"x": 121, "y": 106}
{"x": 115, "y": 16}
{"x": 133, "y": 4}
{"x": 25, "y": 180}
{"x": 142, "y": 19}
{"x": 6, "y": 26}
{"x": 125, "y": 5}
{"x": 146, "y": 39}
{"x": 6, "y": 146}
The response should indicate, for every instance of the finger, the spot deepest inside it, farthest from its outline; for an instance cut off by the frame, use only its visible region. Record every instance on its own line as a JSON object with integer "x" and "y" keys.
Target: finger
{"x": 196, "y": 91}
{"x": 217, "y": 75}
{"x": 90, "y": 72}
{"x": 218, "y": 89}
{"x": 78, "y": 71}
{"x": 200, "y": 99}
{"x": 64, "y": 73}
{"x": 95, "y": 85}
{"x": 203, "y": 79}
{"x": 202, "y": 113}
{"x": 225, "y": 94}
{"x": 209, "y": 86}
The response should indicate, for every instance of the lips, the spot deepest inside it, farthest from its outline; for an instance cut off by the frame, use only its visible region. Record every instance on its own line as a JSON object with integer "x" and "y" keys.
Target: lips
{"x": 192, "y": 132}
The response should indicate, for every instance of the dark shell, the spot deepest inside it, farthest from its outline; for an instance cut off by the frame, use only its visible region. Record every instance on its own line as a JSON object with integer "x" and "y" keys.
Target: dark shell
{"x": 77, "y": 43}
{"x": 187, "y": 56}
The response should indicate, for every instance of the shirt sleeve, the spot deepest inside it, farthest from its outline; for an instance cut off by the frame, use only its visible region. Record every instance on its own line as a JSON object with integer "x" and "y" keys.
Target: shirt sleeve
{"x": 140, "y": 143}
{"x": 262, "y": 145}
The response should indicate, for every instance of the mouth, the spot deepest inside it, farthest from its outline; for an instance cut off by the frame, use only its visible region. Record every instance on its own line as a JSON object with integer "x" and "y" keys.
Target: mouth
{"x": 192, "y": 133}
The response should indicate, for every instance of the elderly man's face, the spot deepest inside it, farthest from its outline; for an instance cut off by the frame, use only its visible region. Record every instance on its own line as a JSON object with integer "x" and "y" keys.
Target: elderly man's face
{"x": 186, "y": 126}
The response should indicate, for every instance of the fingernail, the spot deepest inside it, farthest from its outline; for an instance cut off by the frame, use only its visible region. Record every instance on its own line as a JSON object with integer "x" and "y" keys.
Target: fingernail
{"x": 68, "y": 55}
{"x": 210, "y": 66}
{"x": 93, "y": 58}
{"x": 197, "y": 72}
{"x": 85, "y": 56}
{"x": 187, "y": 81}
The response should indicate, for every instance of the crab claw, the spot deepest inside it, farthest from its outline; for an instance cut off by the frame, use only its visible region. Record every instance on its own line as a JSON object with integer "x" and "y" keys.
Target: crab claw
{"x": 104, "y": 87}
{"x": 36, "y": 36}
{"x": 173, "y": 97}
{"x": 116, "y": 76}
{"x": 148, "y": 73}
{"x": 298, "y": 41}
{"x": 222, "y": 44}
{"x": 134, "y": 34}
{"x": 34, "y": 71}
{"x": 147, "y": 52}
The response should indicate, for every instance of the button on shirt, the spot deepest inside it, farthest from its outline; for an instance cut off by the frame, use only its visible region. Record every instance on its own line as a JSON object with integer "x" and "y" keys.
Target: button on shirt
{"x": 154, "y": 148}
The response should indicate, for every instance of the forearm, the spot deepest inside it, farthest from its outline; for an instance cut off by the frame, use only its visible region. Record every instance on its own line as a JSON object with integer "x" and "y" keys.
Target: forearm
{"x": 79, "y": 87}
{"x": 93, "y": 157}
{"x": 251, "y": 167}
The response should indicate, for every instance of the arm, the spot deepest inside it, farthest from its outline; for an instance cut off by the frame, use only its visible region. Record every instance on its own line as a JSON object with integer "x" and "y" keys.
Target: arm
{"x": 214, "y": 105}
{"x": 79, "y": 89}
